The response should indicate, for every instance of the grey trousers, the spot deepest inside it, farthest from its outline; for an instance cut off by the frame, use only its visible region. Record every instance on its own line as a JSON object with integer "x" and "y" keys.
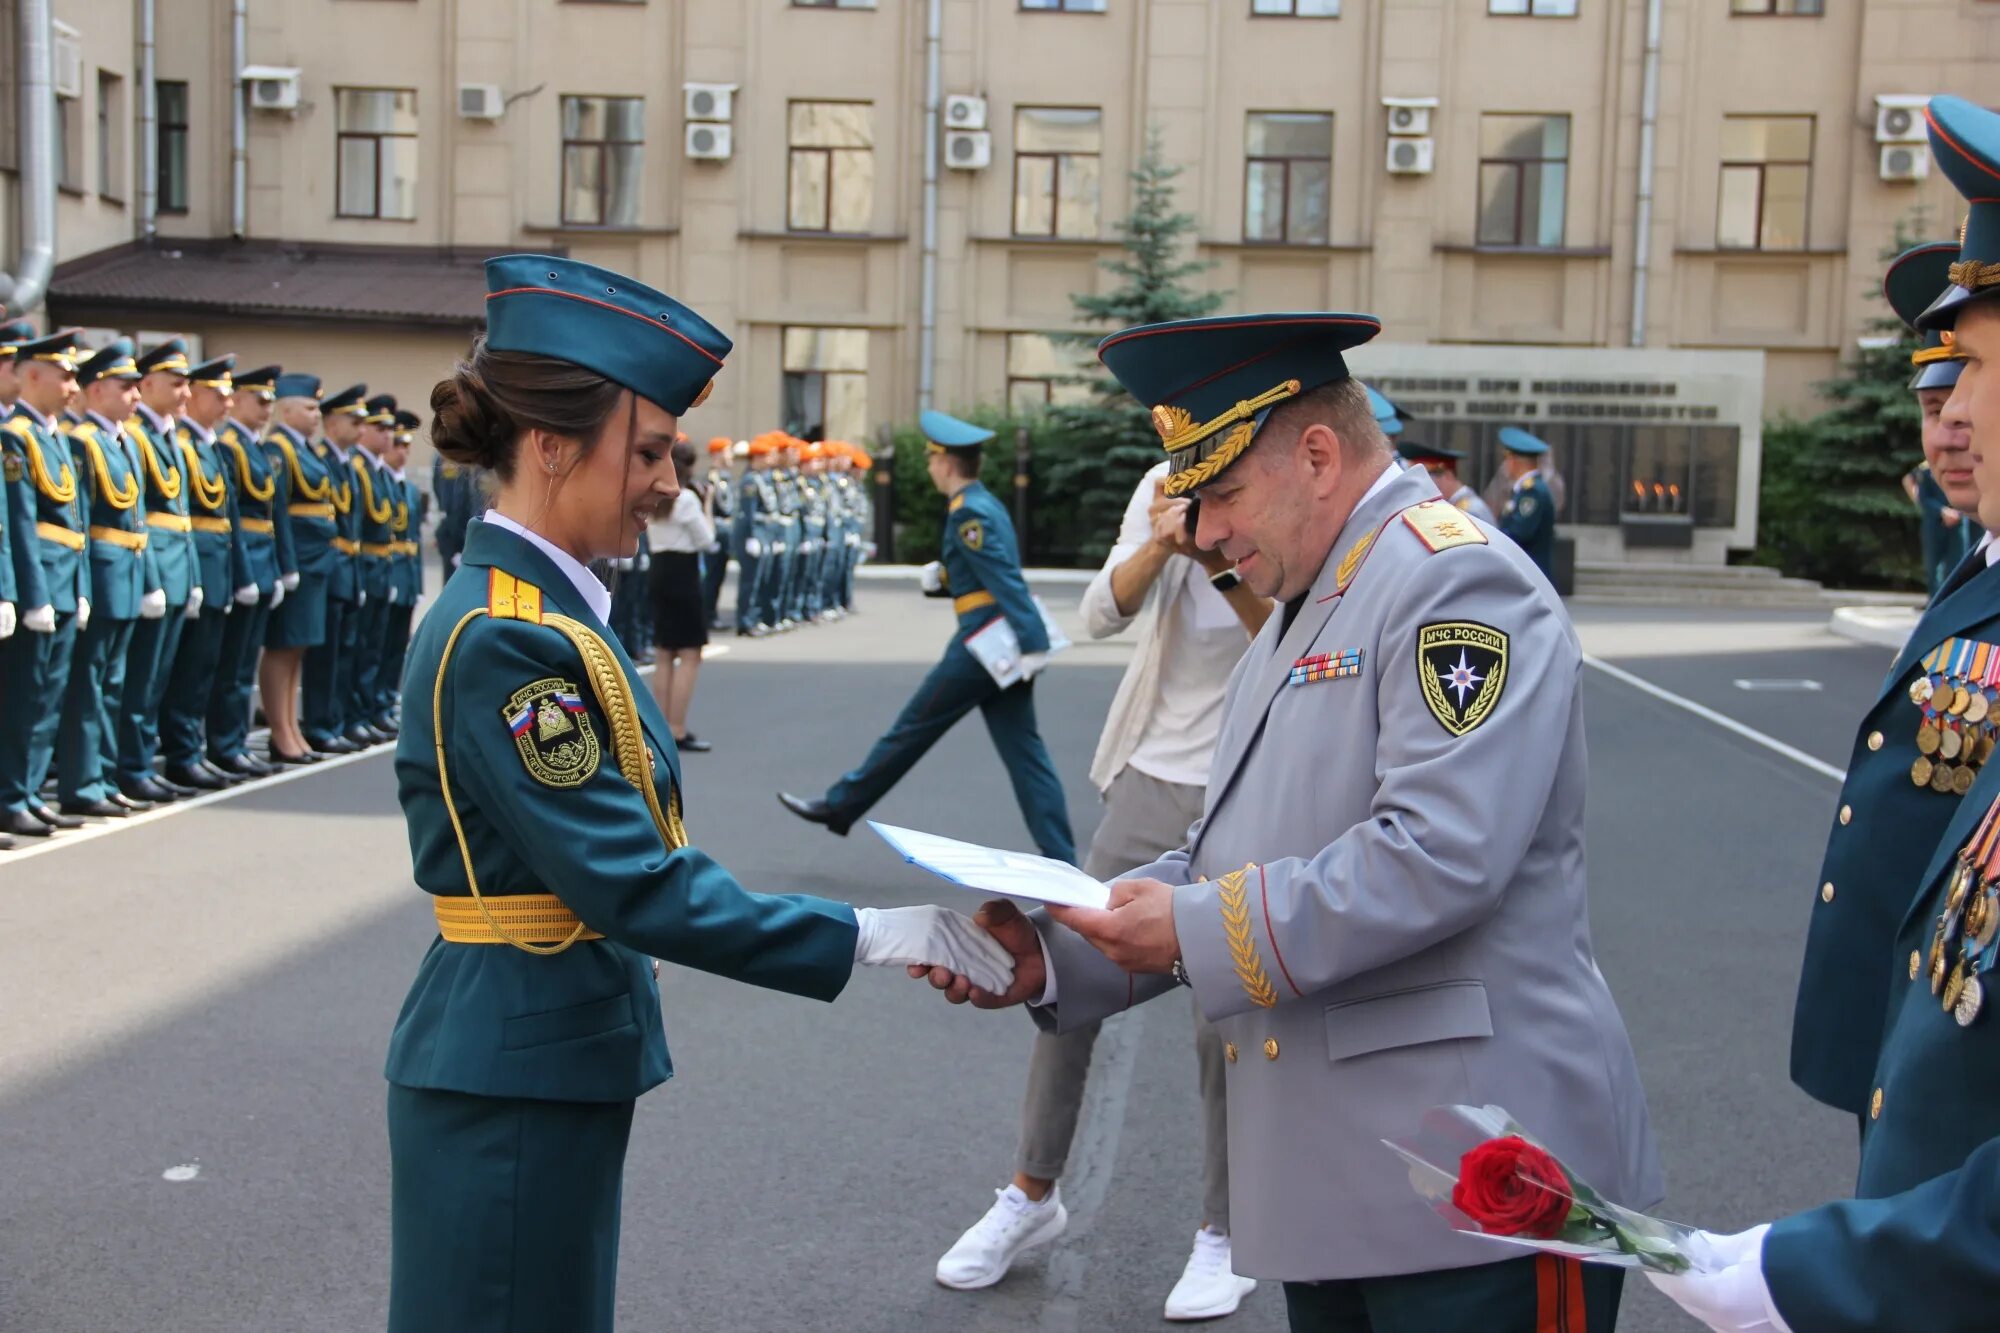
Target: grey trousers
{"x": 1143, "y": 818}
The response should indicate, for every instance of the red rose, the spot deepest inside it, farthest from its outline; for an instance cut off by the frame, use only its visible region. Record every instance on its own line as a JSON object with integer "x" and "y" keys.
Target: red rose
{"x": 1500, "y": 1186}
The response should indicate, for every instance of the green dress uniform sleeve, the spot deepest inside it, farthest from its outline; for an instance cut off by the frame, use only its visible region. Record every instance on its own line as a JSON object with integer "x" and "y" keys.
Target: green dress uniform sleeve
{"x": 593, "y": 842}
{"x": 20, "y": 564}
{"x": 986, "y": 541}
{"x": 1532, "y": 515}
{"x": 1923, "y": 1261}
{"x": 1452, "y": 817}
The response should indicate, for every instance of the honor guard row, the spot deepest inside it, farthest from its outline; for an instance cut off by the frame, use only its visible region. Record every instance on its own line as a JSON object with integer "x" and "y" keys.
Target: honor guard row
{"x": 165, "y": 523}
{"x": 799, "y": 512}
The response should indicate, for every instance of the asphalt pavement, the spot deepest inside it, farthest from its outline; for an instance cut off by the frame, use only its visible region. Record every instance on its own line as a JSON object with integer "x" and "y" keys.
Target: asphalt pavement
{"x": 193, "y": 1014}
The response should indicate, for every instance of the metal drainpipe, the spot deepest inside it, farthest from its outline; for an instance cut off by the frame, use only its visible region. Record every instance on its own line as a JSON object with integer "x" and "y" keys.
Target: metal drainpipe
{"x": 239, "y": 131}
{"x": 24, "y": 290}
{"x": 927, "y": 331}
{"x": 1642, "y": 221}
{"x": 149, "y": 139}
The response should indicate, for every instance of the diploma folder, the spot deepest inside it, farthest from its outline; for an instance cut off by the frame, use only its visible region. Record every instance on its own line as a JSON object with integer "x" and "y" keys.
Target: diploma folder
{"x": 994, "y": 872}
{"x": 996, "y": 647}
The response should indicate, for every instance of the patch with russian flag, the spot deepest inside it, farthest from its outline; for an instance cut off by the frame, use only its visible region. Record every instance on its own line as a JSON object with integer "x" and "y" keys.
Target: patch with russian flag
{"x": 552, "y": 730}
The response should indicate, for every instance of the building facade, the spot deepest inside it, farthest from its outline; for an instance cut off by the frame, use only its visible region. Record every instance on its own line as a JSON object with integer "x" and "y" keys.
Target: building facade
{"x": 1470, "y": 170}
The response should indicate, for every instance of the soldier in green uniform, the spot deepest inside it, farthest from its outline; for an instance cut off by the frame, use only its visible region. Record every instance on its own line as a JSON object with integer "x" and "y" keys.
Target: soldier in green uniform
{"x": 456, "y": 497}
{"x": 981, "y": 573}
{"x": 304, "y": 505}
{"x": 756, "y": 500}
{"x": 407, "y": 572}
{"x": 124, "y": 589}
{"x": 786, "y": 528}
{"x": 12, "y": 335}
{"x": 163, "y": 395}
{"x": 375, "y": 495}
{"x": 1530, "y": 514}
{"x": 545, "y": 803}
{"x": 47, "y": 527}
{"x": 266, "y": 547}
{"x": 329, "y": 664}
{"x": 722, "y": 513}
{"x": 222, "y": 578}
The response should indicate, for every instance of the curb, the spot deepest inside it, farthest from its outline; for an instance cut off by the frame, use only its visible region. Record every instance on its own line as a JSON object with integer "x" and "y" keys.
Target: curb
{"x": 1883, "y": 626}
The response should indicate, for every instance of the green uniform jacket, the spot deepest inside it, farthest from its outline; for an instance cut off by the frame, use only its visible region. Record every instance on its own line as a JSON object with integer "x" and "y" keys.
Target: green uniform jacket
{"x": 1530, "y": 519}
{"x": 112, "y": 489}
{"x": 981, "y": 556}
{"x": 302, "y": 480}
{"x": 264, "y": 541}
{"x": 375, "y": 493}
{"x": 170, "y": 554}
{"x": 222, "y": 564}
{"x": 42, "y": 488}
{"x": 584, "y": 1024}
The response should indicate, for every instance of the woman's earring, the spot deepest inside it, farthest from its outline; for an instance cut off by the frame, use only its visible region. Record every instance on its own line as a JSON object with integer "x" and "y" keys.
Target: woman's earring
{"x": 549, "y": 466}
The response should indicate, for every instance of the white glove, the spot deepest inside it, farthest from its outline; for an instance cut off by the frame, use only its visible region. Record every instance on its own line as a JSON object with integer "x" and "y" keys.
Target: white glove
{"x": 195, "y": 598}
{"x": 290, "y": 581}
{"x": 151, "y": 607}
{"x": 934, "y": 937}
{"x": 278, "y": 590}
{"x": 1033, "y": 664}
{"x": 1733, "y": 1298}
{"x": 6, "y": 620}
{"x": 454, "y": 561}
{"x": 931, "y": 577}
{"x": 246, "y": 595}
{"x": 779, "y": 549}
{"x": 395, "y": 596}
{"x": 752, "y": 547}
{"x": 41, "y": 620}
{"x": 360, "y": 597}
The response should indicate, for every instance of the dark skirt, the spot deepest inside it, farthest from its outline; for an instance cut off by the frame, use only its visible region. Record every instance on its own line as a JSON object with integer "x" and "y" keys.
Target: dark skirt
{"x": 680, "y": 619}
{"x": 300, "y": 620}
{"x": 503, "y": 1212}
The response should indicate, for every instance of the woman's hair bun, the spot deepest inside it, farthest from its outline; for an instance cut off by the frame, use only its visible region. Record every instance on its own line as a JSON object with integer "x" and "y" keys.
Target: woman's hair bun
{"x": 469, "y": 426}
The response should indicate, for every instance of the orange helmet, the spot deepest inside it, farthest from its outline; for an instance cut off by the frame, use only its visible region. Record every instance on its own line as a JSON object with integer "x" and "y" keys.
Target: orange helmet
{"x": 720, "y": 444}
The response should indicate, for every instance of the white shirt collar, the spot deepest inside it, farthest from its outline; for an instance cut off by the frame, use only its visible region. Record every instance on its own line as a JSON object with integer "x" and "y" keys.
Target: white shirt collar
{"x": 34, "y": 416}
{"x": 1990, "y": 549}
{"x": 164, "y": 425}
{"x": 199, "y": 431}
{"x": 594, "y": 593}
{"x": 1382, "y": 483}
{"x": 92, "y": 414}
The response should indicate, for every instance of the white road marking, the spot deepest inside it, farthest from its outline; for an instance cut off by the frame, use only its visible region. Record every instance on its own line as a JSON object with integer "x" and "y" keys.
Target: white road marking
{"x": 1800, "y": 686}
{"x": 1728, "y": 724}
{"x": 185, "y": 1171}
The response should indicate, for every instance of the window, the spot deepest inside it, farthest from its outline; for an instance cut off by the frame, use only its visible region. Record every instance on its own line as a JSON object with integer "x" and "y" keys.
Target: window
{"x": 1056, "y": 170}
{"x": 1523, "y": 169}
{"x": 1287, "y": 176}
{"x": 1766, "y": 175}
{"x": 1304, "y": 9}
{"x": 1066, "y": 6}
{"x": 69, "y": 144}
{"x": 1783, "y": 8}
{"x": 171, "y": 108}
{"x": 110, "y": 135}
{"x": 376, "y": 159}
{"x": 603, "y": 155}
{"x": 1541, "y": 9}
{"x": 832, "y": 184}
{"x": 1042, "y": 370}
{"x": 826, "y": 383}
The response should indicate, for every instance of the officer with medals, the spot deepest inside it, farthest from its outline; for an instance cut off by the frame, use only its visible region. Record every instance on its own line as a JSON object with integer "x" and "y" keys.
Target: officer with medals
{"x": 223, "y": 579}
{"x": 48, "y": 520}
{"x": 1916, "y": 751}
{"x": 981, "y": 572}
{"x": 328, "y": 675}
{"x": 124, "y": 587}
{"x": 1442, "y": 464}
{"x": 304, "y": 505}
{"x": 1918, "y": 1247}
{"x": 272, "y": 568}
{"x": 752, "y": 536}
{"x": 722, "y": 513}
{"x": 375, "y": 497}
{"x": 1383, "y": 905}
{"x": 545, "y": 806}
{"x": 1530, "y": 515}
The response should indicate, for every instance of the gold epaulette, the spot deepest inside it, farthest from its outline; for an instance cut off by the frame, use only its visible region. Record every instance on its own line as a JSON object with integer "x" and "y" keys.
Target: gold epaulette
{"x": 509, "y": 598}
{"x": 957, "y": 503}
{"x": 18, "y": 426}
{"x": 1440, "y": 526}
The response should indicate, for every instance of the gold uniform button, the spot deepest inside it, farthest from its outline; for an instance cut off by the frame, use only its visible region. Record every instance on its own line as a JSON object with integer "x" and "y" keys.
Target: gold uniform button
{"x": 1874, "y": 740}
{"x": 1229, "y": 1052}
{"x": 1270, "y": 1048}
{"x": 1875, "y": 1105}
{"x": 1847, "y": 814}
{"x": 1916, "y": 963}
{"x": 1826, "y": 892}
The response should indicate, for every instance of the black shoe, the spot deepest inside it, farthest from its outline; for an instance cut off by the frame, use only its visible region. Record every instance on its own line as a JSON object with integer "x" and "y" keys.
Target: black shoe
{"x": 814, "y": 811}
{"x": 299, "y": 760}
{"x": 195, "y": 777}
{"x": 388, "y": 726}
{"x": 362, "y": 736}
{"x": 225, "y": 776}
{"x": 128, "y": 805}
{"x": 333, "y": 745}
{"x": 178, "y": 790}
{"x": 23, "y": 825}
{"x": 75, "y": 812}
{"x": 243, "y": 766}
{"x": 150, "y": 790}
{"x": 692, "y": 744}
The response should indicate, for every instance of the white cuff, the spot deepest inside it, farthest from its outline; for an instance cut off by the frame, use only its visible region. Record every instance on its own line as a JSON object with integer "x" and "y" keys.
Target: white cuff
{"x": 1048, "y": 974}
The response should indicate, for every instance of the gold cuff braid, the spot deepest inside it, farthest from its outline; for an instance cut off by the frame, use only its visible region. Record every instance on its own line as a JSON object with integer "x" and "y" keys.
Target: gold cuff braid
{"x": 1233, "y": 894}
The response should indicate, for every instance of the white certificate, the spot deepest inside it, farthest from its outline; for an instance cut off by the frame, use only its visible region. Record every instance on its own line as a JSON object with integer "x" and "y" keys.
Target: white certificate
{"x": 993, "y": 871}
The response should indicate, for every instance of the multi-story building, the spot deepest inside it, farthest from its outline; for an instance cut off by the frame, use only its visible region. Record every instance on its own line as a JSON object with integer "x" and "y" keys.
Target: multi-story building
{"x": 1477, "y": 172}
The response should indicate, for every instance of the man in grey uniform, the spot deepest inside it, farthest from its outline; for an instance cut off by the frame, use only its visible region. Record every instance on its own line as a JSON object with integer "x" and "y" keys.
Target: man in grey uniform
{"x": 1382, "y": 906}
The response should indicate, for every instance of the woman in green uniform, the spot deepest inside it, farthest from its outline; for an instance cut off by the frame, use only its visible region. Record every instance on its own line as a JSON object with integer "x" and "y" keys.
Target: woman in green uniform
{"x": 543, "y": 795}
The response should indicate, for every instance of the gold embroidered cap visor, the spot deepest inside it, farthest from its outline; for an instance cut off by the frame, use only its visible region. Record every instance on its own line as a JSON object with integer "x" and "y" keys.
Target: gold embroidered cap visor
{"x": 1965, "y": 144}
{"x": 1212, "y": 383}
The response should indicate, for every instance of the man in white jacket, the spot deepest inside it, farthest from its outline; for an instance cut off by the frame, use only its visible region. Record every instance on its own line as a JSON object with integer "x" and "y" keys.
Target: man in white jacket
{"x": 1194, "y": 622}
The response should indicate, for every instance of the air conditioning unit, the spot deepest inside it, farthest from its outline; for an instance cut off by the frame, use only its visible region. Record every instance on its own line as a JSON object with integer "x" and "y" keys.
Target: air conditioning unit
{"x": 963, "y": 111}
{"x": 1905, "y": 161}
{"x": 272, "y": 87}
{"x": 709, "y": 101}
{"x": 481, "y": 101}
{"x": 708, "y": 143}
{"x": 1411, "y": 157}
{"x": 968, "y": 150}
{"x": 66, "y": 58}
{"x": 1899, "y": 117}
{"x": 1410, "y": 116}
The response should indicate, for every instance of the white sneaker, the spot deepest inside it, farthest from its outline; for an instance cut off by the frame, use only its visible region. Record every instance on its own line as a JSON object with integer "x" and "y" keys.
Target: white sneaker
{"x": 1013, "y": 1225}
{"x": 1208, "y": 1289}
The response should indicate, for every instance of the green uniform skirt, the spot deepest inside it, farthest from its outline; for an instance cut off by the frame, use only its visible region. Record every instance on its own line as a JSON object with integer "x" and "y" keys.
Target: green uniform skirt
{"x": 504, "y": 1212}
